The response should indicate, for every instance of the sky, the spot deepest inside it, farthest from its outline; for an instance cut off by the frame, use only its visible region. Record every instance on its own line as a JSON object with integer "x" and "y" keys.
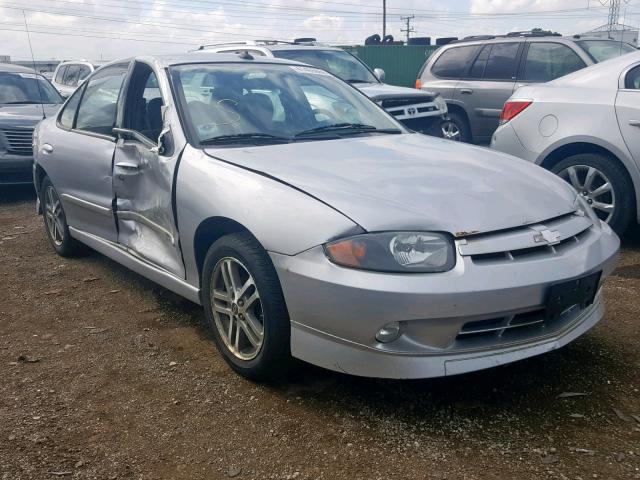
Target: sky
{"x": 109, "y": 29}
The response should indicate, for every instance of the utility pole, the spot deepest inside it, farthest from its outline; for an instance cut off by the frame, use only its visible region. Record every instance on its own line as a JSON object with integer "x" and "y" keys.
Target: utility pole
{"x": 384, "y": 18}
{"x": 409, "y": 28}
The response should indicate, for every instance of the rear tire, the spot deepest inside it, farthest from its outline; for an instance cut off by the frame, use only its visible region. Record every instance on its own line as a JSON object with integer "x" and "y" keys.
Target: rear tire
{"x": 245, "y": 308}
{"x": 55, "y": 222}
{"x": 456, "y": 128}
{"x": 588, "y": 173}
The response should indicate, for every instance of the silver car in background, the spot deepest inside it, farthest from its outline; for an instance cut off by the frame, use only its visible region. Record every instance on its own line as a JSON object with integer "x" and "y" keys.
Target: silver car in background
{"x": 69, "y": 74}
{"x": 585, "y": 127}
{"x": 337, "y": 236}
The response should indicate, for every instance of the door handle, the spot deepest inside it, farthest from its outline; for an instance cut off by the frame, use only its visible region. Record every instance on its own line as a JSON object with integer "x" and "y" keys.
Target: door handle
{"x": 128, "y": 166}
{"x": 467, "y": 91}
{"x": 47, "y": 149}
{"x": 634, "y": 123}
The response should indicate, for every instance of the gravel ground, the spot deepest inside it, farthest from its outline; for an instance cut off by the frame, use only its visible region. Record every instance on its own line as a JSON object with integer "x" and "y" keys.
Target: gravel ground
{"x": 105, "y": 375}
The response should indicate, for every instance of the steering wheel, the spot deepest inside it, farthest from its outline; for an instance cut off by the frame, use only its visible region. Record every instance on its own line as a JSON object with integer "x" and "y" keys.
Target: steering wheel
{"x": 323, "y": 111}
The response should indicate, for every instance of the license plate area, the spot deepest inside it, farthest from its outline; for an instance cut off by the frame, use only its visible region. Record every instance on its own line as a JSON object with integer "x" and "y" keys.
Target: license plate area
{"x": 579, "y": 291}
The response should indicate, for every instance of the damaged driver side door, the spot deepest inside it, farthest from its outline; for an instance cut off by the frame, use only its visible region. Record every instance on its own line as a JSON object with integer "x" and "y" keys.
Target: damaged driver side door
{"x": 144, "y": 165}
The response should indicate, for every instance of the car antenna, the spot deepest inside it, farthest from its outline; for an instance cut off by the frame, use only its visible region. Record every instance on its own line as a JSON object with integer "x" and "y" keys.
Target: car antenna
{"x": 33, "y": 62}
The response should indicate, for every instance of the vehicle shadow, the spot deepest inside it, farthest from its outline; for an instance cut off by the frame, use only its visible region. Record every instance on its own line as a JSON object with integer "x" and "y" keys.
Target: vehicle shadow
{"x": 14, "y": 194}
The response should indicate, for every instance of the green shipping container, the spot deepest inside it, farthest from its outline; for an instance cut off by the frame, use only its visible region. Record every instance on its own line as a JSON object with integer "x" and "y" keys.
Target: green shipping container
{"x": 401, "y": 63}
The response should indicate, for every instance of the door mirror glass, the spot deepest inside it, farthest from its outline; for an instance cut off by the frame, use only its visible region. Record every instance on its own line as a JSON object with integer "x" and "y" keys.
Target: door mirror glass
{"x": 379, "y": 73}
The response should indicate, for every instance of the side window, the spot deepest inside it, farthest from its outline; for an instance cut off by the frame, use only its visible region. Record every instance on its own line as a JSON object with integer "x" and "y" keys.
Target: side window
{"x": 632, "y": 80}
{"x": 99, "y": 105}
{"x": 547, "y": 61}
{"x": 454, "y": 62}
{"x": 501, "y": 64}
{"x": 143, "y": 106}
{"x": 84, "y": 72}
{"x": 69, "y": 111}
{"x": 60, "y": 74}
{"x": 478, "y": 67}
{"x": 72, "y": 75}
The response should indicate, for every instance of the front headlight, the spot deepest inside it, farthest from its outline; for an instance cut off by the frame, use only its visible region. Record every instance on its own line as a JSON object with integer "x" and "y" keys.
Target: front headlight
{"x": 583, "y": 208}
{"x": 397, "y": 252}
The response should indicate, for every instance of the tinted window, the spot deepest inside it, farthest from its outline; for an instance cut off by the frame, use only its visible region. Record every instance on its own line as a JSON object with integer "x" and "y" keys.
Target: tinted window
{"x": 98, "y": 108}
{"x": 338, "y": 62}
{"x": 23, "y": 88}
{"x": 84, "y": 72}
{"x": 453, "y": 63}
{"x": 60, "y": 74}
{"x": 632, "y": 80}
{"x": 601, "y": 50}
{"x": 548, "y": 61}
{"x": 69, "y": 110}
{"x": 501, "y": 64}
{"x": 477, "y": 69}
{"x": 72, "y": 76}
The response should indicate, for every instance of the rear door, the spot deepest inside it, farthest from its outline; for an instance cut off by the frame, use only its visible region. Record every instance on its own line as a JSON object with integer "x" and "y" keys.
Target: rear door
{"x": 628, "y": 111}
{"x": 80, "y": 152}
{"x": 489, "y": 83}
{"x": 143, "y": 175}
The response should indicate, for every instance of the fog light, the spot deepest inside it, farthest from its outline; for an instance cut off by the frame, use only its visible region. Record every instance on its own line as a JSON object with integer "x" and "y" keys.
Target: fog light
{"x": 388, "y": 333}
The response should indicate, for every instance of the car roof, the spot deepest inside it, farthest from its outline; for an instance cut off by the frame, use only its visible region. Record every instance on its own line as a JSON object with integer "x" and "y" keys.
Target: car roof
{"x": 9, "y": 67}
{"x": 95, "y": 63}
{"x": 202, "y": 56}
{"x": 269, "y": 46}
{"x": 481, "y": 40}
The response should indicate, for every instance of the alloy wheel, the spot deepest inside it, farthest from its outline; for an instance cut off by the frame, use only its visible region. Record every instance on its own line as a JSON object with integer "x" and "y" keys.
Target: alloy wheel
{"x": 53, "y": 215}
{"x": 237, "y": 308}
{"x": 450, "y": 131}
{"x": 594, "y": 186}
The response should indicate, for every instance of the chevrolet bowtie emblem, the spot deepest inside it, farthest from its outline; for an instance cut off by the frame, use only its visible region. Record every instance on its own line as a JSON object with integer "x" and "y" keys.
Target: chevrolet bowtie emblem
{"x": 550, "y": 237}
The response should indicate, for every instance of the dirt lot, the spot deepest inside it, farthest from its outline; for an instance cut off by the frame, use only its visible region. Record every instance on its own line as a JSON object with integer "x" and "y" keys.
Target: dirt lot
{"x": 105, "y": 375}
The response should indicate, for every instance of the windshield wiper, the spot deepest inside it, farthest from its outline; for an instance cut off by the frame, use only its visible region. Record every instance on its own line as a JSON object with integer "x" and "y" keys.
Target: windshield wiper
{"x": 357, "y": 80}
{"x": 243, "y": 137}
{"x": 347, "y": 128}
{"x": 24, "y": 102}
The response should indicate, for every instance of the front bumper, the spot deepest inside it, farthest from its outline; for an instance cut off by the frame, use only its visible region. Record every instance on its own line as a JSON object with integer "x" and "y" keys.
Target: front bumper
{"x": 15, "y": 169}
{"x": 335, "y": 312}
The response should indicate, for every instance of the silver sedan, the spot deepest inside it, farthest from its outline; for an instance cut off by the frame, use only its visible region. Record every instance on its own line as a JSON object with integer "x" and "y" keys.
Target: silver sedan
{"x": 309, "y": 223}
{"x": 585, "y": 128}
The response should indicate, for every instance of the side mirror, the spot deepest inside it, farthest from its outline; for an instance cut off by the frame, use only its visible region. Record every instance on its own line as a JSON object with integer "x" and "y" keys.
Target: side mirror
{"x": 379, "y": 73}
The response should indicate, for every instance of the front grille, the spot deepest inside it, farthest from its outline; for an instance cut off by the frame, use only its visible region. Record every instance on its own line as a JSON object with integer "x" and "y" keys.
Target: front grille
{"x": 403, "y": 102}
{"x": 18, "y": 141}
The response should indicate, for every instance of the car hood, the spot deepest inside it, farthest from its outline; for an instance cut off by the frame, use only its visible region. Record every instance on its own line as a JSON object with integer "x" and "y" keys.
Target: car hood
{"x": 25, "y": 115}
{"x": 379, "y": 91}
{"x": 411, "y": 181}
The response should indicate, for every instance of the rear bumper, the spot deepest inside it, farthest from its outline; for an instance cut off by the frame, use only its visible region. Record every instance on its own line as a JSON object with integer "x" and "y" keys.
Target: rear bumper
{"x": 336, "y": 312}
{"x": 16, "y": 169}
{"x": 506, "y": 140}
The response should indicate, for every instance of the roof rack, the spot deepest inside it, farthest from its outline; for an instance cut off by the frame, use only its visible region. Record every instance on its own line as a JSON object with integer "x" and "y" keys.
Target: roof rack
{"x": 253, "y": 43}
{"x": 473, "y": 38}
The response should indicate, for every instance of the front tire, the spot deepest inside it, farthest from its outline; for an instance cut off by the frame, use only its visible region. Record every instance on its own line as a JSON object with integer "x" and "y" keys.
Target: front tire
{"x": 605, "y": 185}
{"x": 55, "y": 222}
{"x": 456, "y": 128}
{"x": 245, "y": 308}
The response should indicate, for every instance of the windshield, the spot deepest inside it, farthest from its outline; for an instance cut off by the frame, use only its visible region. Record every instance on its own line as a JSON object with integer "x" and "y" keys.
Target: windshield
{"x": 16, "y": 88}
{"x": 338, "y": 62}
{"x": 252, "y": 103}
{"x": 601, "y": 50}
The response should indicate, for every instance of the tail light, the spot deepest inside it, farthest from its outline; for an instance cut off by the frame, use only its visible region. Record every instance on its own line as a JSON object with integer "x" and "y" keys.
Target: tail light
{"x": 419, "y": 84}
{"x": 512, "y": 109}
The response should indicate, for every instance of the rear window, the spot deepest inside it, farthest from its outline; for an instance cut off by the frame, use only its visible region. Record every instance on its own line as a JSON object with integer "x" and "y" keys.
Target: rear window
{"x": 454, "y": 62}
{"x": 601, "y": 50}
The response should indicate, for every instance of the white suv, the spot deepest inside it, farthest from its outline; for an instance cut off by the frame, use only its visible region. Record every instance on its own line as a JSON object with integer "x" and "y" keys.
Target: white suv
{"x": 69, "y": 74}
{"x": 419, "y": 110}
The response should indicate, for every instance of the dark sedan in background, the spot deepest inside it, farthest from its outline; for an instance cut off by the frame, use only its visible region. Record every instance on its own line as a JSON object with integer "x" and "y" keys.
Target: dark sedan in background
{"x": 25, "y": 98}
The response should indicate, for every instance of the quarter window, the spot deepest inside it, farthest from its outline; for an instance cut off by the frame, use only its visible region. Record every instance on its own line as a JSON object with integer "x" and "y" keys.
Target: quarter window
{"x": 477, "y": 69}
{"x": 98, "y": 108}
{"x": 547, "y": 61}
{"x": 454, "y": 62}
{"x": 632, "y": 80}
{"x": 501, "y": 64}
{"x": 60, "y": 74}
